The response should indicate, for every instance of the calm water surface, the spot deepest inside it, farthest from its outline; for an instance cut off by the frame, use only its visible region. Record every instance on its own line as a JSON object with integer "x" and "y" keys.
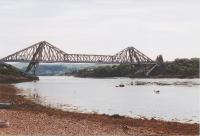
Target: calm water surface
{"x": 174, "y": 102}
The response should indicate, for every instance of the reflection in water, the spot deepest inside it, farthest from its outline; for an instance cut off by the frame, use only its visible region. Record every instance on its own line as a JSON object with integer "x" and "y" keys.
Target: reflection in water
{"x": 34, "y": 95}
{"x": 136, "y": 99}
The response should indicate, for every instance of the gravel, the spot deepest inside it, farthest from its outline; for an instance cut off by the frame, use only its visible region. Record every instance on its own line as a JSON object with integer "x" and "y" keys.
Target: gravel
{"x": 28, "y": 123}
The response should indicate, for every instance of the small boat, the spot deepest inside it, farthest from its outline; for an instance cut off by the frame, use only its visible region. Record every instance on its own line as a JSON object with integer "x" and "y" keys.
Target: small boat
{"x": 156, "y": 91}
{"x": 121, "y": 85}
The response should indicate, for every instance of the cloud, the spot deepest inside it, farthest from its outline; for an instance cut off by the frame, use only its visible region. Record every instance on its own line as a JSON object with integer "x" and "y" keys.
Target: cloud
{"x": 102, "y": 26}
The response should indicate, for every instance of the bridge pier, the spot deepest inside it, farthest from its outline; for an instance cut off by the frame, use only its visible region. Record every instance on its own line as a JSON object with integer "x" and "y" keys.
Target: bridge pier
{"x": 33, "y": 66}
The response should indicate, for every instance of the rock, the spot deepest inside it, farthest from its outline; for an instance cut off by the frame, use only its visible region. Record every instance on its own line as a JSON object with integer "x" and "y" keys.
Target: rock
{"x": 4, "y": 124}
{"x": 4, "y": 105}
{"x": 156, "y": 91}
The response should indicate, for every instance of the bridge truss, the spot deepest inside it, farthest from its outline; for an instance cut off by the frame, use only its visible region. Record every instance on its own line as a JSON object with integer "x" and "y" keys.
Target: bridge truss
{"x": 44, "y": 52}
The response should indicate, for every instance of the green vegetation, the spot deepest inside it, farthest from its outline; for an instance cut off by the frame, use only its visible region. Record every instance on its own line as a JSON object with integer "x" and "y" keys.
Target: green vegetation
{"x": 6, "y": 69}
{"x": 177, "y": 68}
{"x": 106, "y": 71}
{"x": 183, "y": 67}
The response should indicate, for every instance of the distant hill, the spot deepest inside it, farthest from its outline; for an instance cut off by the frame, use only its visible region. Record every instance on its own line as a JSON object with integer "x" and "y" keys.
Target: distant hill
{"x": 60, "y": 69}
{"x": 55, "y": 69}
{"x": 179, "y": 68}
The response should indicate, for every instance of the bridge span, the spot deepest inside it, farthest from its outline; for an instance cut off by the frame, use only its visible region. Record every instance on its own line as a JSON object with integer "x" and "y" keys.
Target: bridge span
{"x": 44, "y": 52}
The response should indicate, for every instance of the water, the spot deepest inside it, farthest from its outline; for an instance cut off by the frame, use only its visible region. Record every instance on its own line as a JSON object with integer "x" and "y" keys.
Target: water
{"x": 174, "y": 102}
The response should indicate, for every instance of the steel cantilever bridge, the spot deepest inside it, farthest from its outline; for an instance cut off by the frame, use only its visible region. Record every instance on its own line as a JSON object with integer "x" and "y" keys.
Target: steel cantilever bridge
{"x": 44, "y": 52}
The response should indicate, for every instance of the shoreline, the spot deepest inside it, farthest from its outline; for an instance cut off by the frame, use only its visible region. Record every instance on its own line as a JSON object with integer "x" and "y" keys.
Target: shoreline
{"x": 141, "y": 77}
{"x": 24, "y": 112}
{"x": 8, "y": 79}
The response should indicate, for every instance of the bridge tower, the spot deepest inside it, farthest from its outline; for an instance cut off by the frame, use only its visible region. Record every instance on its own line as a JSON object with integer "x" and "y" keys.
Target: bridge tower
{"x": 37, "y": 56}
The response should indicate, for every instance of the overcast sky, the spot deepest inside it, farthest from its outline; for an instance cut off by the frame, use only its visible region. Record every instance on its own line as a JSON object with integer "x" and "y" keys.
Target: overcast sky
{"x": 168, "y": 27}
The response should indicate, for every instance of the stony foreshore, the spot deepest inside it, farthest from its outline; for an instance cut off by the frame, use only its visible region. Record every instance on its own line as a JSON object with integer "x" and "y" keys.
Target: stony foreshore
{"x": 28, "y": 118}
{"x": 27, "y": 122}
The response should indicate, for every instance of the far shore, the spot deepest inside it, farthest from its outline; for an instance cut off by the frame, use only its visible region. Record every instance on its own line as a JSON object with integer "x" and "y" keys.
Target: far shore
{"x": 145, "y": 77}
{"x": 27, "y": 117}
